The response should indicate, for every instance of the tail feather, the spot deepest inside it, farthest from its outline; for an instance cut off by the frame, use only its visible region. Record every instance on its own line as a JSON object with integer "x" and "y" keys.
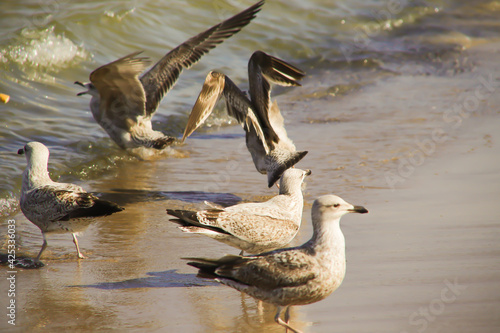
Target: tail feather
{"x": 186, "y": 216}
{"x": 188, "y": 221}
{"x": 161, "y": 143}
{"x": 151, "y": 142}
{"x": 209, "y": 267}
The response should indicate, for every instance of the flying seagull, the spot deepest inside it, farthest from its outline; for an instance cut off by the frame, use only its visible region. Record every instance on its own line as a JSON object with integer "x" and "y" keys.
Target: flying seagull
{"x": 252, "y": 227}
{"x": 56, "y": 207}
{"x": 123, "y": 102}
{"x": 292, "y": 276}
{"x": 266, "y": 138}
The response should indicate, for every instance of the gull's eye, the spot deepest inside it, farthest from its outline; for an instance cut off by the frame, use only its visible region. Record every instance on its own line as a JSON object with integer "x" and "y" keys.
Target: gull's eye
{"x": 336, "y": 205}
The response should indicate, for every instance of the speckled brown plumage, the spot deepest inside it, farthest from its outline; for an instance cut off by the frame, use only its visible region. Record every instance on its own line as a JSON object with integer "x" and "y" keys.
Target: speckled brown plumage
{"x": 292, "y": 276}
{"x": 252, "y": 227}
{"x": 56, "y": 207}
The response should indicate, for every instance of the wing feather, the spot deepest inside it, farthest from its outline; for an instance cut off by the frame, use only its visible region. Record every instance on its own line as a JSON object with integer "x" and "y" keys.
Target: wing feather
{"x": 276, "y": 269}
{"x": 121, "y": 93}
{"x": 209, "y": 95}
{"x": 56, "y": 203}
{"x": 161, "y": 78}
{"x": 264, "y": 69}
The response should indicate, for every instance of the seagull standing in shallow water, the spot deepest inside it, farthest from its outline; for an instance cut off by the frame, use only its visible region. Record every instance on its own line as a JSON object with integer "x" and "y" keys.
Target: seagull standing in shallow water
{"x": 266, "y": 138}
{"x": 124, "y": 103}
{"x": 56, "y": 207}
{"x": 252, "y": 227}
{"x": 293, "y": 276}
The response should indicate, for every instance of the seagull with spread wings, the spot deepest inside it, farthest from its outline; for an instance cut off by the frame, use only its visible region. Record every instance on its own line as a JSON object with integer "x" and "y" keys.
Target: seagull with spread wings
{"x": 266, "y": 138}
{"x": 123, "y": 102}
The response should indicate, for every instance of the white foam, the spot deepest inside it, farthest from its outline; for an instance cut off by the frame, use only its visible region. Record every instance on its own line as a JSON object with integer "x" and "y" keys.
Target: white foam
{"x": 8, "y": 205}
{"x": 44, "y": 49}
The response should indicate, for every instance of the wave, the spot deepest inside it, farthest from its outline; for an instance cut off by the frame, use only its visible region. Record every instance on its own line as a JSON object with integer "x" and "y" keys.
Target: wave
{"x": 42, "y": 49}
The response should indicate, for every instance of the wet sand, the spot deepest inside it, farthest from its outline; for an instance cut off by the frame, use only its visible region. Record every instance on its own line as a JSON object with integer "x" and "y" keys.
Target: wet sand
{"x": 425, "y": 259}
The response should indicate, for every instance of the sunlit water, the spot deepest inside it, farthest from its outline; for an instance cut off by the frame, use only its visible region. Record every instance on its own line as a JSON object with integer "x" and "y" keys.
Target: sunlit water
{"x": 380, "y": 79}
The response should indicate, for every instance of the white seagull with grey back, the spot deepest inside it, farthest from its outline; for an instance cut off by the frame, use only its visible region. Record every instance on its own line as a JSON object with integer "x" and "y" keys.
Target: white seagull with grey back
{"x": 56, "y": 207}
{"x": 252, "y": 227}
{"x": 293, "y": 276}
{"x": 266, "y": 138}
{"x": 124, "y": 103}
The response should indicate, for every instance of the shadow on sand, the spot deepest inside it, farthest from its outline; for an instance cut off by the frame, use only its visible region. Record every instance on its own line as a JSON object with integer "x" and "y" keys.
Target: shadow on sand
{"x": 128, "y": 196}
{"x": 165, "y": 279}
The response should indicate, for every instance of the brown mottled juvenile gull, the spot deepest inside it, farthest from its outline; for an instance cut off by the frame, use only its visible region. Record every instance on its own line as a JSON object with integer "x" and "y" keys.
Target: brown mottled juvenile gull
{"x": 56, "y": 207}
{"x": 293, "y": 276}
{"x": 124, "y": 103}
{"x": 252, "y": 227}
{"x": 266, "y": 138}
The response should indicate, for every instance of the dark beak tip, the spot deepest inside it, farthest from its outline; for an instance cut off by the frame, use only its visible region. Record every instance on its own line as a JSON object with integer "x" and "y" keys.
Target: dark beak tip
{"x": 20, "y": 151}
{"x": 360, "y": 210}
{"x": 308, "y": 172}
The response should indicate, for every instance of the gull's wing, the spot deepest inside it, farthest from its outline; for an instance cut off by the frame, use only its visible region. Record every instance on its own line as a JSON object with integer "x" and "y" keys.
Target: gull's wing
{"x": 264, "y": 69}
{"x": 256, "y": 229}
{"x": 121, "y": 93}
{"x": 209, "y": 95}
{"x": 56, "y": 202}
{"x": 276, "y": 269}
{"x": 161, "y": 78}
{"x": 238, "y": 105}
{"x": 62, "y": 202}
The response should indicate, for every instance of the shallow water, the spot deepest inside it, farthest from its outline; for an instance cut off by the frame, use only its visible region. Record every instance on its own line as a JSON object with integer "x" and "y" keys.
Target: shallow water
{"x": 373, "y": 112}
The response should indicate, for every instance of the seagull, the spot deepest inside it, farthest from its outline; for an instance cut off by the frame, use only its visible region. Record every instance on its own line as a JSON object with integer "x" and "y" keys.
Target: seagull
{"x": 292, "y": 276}
{"x": 124, "y": 103}
{"x": 56, "y": 207}
{"x": 252, "y": 227}
{"x": 266, "y": 138}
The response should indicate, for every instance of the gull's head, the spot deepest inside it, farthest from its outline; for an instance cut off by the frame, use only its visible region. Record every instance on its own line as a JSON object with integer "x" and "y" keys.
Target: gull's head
{"x": 36, "y": 153}
{"x": 91, "y": 90}
{"x": 292, "y": 180}
{"x": 332, "y": 207}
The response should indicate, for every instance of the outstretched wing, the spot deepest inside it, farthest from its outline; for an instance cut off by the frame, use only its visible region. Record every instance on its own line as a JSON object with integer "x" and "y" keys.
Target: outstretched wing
{"x": 237, "y": 103}
{"x": 209, "y": 95}
{"x": 161, "y": 78}
{"x": 264, "y": 69}
{"x": 121, "y": 93}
